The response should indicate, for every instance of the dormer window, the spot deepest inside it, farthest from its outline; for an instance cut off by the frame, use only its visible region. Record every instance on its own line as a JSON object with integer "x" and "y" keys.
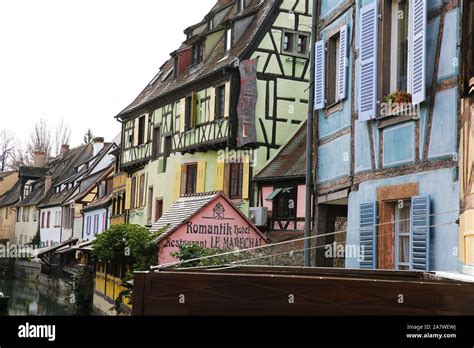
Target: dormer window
{"x": 197, "y": 53}
{"x": 176, "y": 67}
{"x": 228, "y": 39}
{"x": 26, "y": 190}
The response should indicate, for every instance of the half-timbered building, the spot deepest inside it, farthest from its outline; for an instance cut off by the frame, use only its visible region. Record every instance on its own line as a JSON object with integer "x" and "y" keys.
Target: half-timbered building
{"x": 388, "y": 101}
{"x": 238, "y": 82}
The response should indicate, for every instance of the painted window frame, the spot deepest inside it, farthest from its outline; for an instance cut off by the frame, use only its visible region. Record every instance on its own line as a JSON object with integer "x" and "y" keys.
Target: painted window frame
{"x": 236, "y": 176}
{"x": 332, "y": 70}
{"x": 388, "y": 50}
{"x": 189, "y": 176}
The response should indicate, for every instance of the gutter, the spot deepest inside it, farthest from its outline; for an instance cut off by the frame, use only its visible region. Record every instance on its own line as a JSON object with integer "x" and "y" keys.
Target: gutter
{"x": 309, "y": 140}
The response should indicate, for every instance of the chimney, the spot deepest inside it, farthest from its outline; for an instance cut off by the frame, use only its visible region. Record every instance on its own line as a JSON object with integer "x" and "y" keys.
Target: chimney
{"x": 48, "y": 179}
{"x": 64, "y": 149}
{"x": 39, "y": 159}
{"x": 98, "y": 144}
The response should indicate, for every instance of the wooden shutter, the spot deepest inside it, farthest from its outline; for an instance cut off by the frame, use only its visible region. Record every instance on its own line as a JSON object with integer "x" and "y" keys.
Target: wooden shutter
{"x": 368, "y": 62}
{"x": 212, "y": 105}
{"x": 227, "y": 99}
{"x": 319, "y": 78}
{"x": 420, "y": 233}
{"x": 220, "y": 170}
{"x": 368, "y": 235}
{"x": 201, "y": 177}
{"x": 177, "y": 182}
{"x": 246, "y": 178}
{"x": 145, "y": 137}
{"x": 135, "y": 131}
{"x": 128, "y": 193}
{"x": 182, "y": 115}
{"x": 417, "y": 51}
{"x": 184, "y": 174}
{"x": 341, "y": 79}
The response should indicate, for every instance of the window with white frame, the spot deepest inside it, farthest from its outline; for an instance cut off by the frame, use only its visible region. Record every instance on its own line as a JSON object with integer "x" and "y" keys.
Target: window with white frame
{"x": 392, "y": 52}
{"x": 402, "y": 235}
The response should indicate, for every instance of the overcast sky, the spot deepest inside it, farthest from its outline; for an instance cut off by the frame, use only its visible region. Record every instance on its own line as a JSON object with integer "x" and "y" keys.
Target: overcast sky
{"x": 84, "y": 60}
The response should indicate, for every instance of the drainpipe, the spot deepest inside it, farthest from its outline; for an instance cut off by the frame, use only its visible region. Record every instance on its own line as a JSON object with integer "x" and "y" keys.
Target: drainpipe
{"x": 309, "y": 140}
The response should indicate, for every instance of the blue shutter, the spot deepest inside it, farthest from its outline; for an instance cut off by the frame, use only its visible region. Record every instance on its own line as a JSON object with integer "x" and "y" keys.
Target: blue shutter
{"x": 368, "y": 27}
{"x": 417, "y": 51}
{"x": 420, "y": 234}
{"x": 319, "y": 70}
{"x": 341, "y": 79}
{"x": 368, "y": 235}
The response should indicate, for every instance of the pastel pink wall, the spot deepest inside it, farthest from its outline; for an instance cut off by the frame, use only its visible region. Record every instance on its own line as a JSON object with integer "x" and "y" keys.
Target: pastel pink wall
{"x": 301, "y": 200}
{"x": 229, "y": 233}
{"x": 300, "y": 204}
{"x": 266, "y": 191}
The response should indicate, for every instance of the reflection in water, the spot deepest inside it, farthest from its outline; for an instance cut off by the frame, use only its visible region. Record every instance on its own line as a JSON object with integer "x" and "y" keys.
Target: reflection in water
{"x": 31, "y": 298}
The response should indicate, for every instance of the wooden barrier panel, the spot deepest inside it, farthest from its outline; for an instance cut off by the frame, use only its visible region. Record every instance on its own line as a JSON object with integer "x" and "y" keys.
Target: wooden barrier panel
{"x": 298, "y": 291}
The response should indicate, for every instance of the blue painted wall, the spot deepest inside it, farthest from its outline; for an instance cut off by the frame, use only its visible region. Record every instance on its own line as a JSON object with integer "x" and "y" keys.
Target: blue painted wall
{"x": 334, "y": 159}
{"x": 449, "y": 57}
{"x": 444, "y": 194}
{"x": 444, "y": 129}
{"x": 399, "y": 144}
{"x": 338, "y": 120}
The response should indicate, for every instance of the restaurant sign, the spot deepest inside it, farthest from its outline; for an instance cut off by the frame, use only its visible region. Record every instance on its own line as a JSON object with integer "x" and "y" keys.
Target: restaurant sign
{"x": 217, "y": 225}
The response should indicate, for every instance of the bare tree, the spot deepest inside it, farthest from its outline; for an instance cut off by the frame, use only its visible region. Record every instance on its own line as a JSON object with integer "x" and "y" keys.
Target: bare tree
{"x": 88, "y": 136}
{"x": 62, "y": 136}
{"x": 7, "y": 150}
{"x": 21, "y": 158}
{"x": 40, "y": 140}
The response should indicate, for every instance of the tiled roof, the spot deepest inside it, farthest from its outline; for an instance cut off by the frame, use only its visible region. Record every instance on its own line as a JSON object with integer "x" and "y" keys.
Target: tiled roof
{"x": 4, "y": 174}
{"x": 216, "y": 60}
{"x": 12, "y": 196}
{"x": 186, "y": 207}
{"x": 63, "y": 169}
{"x": 33, "y": 172}
{"x": 35, "y": 196}
{"x": 290, "y": 161}
{"x": 180, "y": 211}
{"x": 98, "y": 204}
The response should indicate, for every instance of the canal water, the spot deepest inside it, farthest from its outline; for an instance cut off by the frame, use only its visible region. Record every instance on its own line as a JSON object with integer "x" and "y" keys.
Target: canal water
{"x": 31, "y": 298}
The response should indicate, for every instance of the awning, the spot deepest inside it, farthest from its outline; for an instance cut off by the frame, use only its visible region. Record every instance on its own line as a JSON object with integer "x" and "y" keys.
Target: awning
{"x": 276, "y": 192}
{"x": 272, "y": 195}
